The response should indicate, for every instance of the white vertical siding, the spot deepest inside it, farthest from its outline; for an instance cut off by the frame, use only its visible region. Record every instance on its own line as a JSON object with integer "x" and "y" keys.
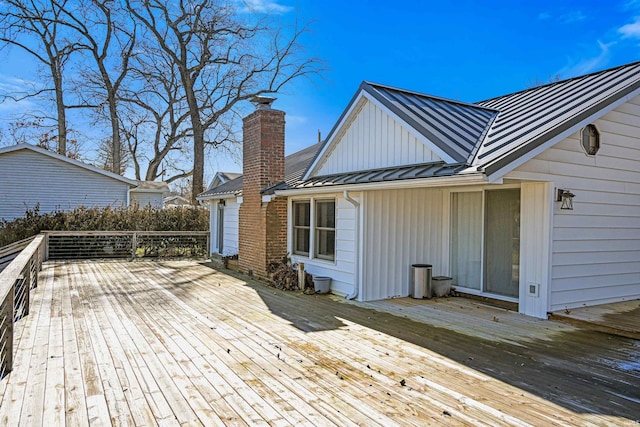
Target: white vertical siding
{"x": 535, "y": 248}
{"x": 231, "y": 227}
{"x": 342, "y": 269}
{"x": 596, "y": 246}
{"x": 374, "y": 140}
{"x": 143, "y": 199}
{"x": 401, "y": 227}
{"x": 28, "y": 178}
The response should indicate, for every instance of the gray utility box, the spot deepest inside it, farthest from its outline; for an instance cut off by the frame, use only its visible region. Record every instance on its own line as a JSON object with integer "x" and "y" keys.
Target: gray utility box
{"x": 440, "y": 286}
{"x": 420, "y": 286}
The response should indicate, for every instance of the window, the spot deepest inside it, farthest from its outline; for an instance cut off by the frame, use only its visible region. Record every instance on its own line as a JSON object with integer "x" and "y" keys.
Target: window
{"x": 321, "y": 226}
{"x": 325, "y": 229}
{"x": 301, "y": 227}
{"x": 590, "y": 140}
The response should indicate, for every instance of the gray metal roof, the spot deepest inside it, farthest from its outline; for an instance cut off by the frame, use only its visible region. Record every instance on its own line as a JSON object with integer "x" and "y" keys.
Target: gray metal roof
{"x": 454, "y": 127}
{"x": 425, "y": 170}
{"x": 529, "y": 118}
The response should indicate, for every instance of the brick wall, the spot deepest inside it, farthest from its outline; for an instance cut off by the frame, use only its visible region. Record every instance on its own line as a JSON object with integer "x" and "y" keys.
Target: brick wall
{"x": 263, "y": 226}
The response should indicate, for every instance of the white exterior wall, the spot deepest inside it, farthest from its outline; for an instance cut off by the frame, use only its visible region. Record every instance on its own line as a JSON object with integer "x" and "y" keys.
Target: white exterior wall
{"x": 374, "y": 140}
{"x": 595, "y": 247}
{"x": 342, "y": 269}
{"x": 230, "y": 242}
{"x": 401, "y": 228}
{"x": 28, "y": 178}
{"x": 143, "y": 199}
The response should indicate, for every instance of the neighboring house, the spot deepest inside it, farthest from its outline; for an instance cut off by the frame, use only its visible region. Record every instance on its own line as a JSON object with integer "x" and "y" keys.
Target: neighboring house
{"x": 222, "y": 177}
{"x": 176, "y": 200}
{"x": 531, "y": 197}
{"x": 31, "y": 176}
{"x": 149, "y": 193}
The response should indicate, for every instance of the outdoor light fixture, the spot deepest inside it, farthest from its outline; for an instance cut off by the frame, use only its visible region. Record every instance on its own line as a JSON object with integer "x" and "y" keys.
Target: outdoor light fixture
{"x": 222, "y": 202}
{"x": 566, "y": 197}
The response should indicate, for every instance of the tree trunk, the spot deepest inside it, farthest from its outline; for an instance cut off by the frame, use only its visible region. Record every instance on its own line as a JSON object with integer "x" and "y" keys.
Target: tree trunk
{"x": 60, "y": 109}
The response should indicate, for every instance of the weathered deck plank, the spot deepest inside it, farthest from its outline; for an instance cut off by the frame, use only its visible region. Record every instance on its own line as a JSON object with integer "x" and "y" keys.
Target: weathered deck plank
{"x": 178, "y": 343}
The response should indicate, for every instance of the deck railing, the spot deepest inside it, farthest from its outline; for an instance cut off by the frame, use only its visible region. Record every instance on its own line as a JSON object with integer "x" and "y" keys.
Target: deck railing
{"x": 16, "y": 282}
{"x": 126, "y": 244}
{"x": 21, "y": 275}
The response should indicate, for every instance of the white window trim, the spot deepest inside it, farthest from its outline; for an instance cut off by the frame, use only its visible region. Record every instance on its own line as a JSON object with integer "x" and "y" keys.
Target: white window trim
{"x": 312, "y": 230}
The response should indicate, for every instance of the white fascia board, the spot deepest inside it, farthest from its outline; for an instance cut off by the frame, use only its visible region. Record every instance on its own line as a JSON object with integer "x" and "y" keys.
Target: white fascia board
{"x": 469, "y": 179}
{"x": 426, "y": 141}
{"x": 325, "y": 148}
{"x": 497, "y": 175}
{"x": 216, "y": 197}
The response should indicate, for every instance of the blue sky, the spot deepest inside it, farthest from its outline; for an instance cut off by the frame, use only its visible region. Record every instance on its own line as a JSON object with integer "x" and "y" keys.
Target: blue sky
{"x": 463, "y": 50}
{"x": 460, "y": 50}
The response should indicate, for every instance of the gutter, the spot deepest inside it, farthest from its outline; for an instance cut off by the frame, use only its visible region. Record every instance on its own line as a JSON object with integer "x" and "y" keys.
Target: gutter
{"x": 356, "y": 284}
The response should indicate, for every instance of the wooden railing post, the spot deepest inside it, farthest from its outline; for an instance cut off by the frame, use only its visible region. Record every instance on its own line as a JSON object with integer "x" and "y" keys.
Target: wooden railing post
{"x": 134, "y": 244}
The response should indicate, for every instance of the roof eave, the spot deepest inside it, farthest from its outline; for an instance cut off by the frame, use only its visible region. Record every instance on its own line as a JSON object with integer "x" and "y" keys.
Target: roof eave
{"x": 456, "y": 180}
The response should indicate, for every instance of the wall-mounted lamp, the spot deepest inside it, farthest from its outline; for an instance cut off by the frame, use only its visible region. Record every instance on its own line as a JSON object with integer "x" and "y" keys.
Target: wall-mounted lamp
{"x": 566, "y": 197}
{"x": 221, "y": 203}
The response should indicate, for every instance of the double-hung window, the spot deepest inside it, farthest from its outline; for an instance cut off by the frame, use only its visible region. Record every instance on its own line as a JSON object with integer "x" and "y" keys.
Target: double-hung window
{"x": 314, "y": 228}
{"x": 301, "y": 227}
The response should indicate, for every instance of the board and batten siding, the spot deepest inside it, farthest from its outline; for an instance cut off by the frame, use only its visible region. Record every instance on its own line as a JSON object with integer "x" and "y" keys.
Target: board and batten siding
{"x": 401, "y": 228}
{"x": 342, "y": 269}
{"x": 596, "y": 246}
{"x": 28, "y": 178}
{"x": 373, "y": 140}
{"x": 230, "y": 241}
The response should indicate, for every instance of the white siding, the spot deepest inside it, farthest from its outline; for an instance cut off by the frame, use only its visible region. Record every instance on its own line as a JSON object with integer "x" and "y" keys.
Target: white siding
{"x": 401, "y": 227}
{"x": 535, "y": 254}
{"x": 342, "y": 270}
{"x": 596, "y": 246}
{"x": 230, "y": 224}
{"x": 143, "y": 199}
{"x": 28, "y": 178}
{"x": 374, "y": 140}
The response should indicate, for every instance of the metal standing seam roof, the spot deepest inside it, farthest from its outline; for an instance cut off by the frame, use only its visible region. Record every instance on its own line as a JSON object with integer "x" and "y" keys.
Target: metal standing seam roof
{"x": 454, "y": 127}
{"x": 529, "y": 118}
{"x": 424, "y": 170}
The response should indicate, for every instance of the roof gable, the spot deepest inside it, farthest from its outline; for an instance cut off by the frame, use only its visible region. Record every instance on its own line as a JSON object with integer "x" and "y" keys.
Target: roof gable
{"x": 73, "y": 162}
{"x": 450, "y": 129}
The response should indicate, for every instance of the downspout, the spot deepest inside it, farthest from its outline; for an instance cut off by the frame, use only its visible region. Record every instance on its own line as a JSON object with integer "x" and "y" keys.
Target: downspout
{"x": 356, "y": 284}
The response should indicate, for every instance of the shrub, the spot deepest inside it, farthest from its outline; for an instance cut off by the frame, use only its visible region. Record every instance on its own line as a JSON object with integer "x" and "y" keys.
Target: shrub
{"x": 104, "y": 219}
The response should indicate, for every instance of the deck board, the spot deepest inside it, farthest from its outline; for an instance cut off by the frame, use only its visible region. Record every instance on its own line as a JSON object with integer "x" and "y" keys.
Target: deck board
{"x": 179, "y": 343}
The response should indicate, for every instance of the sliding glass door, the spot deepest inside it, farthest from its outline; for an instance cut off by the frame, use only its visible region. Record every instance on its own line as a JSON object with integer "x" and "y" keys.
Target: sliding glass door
{"x": 485, "y": 241}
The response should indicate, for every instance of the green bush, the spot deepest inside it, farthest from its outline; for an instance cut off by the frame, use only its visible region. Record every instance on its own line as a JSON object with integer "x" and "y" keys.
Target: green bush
{"x": 104, "y": 219}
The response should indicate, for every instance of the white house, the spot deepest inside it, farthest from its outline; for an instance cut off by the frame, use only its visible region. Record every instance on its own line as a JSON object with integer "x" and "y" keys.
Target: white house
{"x": 30, "y": 176}
{"x": 148, "y": 193}
{"x": 531, "y": 197}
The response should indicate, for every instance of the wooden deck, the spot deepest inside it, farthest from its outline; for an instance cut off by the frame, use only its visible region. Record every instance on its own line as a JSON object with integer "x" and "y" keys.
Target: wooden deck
{"x": 620, "y": 318}
{"x": 178, "y": 343}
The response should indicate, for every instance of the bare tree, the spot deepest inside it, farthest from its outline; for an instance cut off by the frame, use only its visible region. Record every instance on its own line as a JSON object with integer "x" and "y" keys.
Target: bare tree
{"x": 221, "y": 60}
{"x": 106, "y": 33}
{"x": 34, "y": 27}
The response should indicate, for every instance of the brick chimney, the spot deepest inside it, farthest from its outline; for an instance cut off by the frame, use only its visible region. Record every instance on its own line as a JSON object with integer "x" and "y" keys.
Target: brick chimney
{"x": 263, "y": 225}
